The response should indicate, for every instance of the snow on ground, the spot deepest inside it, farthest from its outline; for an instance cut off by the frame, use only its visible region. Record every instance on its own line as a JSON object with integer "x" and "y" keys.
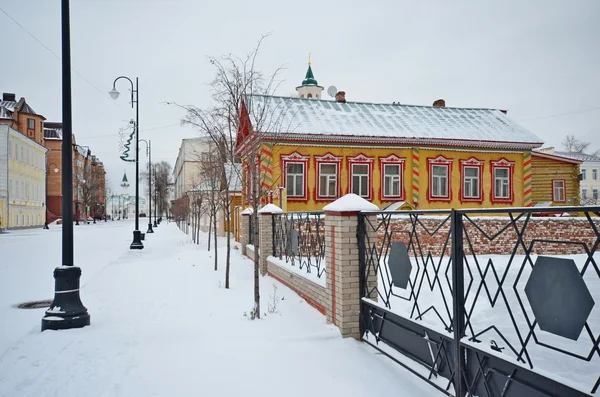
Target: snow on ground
{"x": 577, "y": 373}
{"x": 162, "y": 325}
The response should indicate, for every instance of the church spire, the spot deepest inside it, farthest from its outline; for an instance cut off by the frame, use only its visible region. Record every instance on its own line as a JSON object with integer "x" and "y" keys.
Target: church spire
{"x": 309, "y": 79}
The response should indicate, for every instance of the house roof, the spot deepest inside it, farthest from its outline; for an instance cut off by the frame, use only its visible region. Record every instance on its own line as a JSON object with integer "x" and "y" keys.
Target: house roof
{"x": 554, "y": 156}
{"x": 322, "y": 120}
{"x": 10, "y": 106}
{"x": 52, "y": 130}
{"x": 578, "y": 156}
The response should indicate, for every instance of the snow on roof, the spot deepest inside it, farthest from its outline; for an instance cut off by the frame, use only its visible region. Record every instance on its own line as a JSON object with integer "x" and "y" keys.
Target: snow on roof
{"x": 578, "y": 156}
{"x": 247, "y": 211}
{"x": 554, "y": 156}
{"x": 297, "y": 118}
{"x": 5, "y": 113}
{"x": 270, "y": 209}
{"x": 350, "y": 202}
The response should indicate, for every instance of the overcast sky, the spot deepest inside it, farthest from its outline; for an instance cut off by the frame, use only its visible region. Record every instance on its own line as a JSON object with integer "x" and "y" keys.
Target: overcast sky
{"x": 536, "y": 59}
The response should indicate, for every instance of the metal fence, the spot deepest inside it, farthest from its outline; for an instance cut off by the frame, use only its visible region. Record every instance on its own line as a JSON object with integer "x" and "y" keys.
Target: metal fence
{"x": 518, "y": 324}
{"x": 299, "y": 240}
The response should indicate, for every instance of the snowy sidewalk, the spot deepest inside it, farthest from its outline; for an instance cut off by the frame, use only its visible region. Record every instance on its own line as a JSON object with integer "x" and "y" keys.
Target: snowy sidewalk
{"x": 162, "y": 325}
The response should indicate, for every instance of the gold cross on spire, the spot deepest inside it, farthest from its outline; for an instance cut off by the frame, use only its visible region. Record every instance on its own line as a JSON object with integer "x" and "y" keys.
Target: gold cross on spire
{"x": 309, "y": 59}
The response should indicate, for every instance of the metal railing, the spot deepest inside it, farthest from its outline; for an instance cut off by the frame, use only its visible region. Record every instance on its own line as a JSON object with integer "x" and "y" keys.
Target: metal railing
{"x": 299, "y": 240}
{"x": 495, "y": 301}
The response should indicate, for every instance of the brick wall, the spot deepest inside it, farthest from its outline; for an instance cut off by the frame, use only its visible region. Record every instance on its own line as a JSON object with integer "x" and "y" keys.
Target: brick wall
{"x": 314, "y": 294}
{"x": 574, "y": 230}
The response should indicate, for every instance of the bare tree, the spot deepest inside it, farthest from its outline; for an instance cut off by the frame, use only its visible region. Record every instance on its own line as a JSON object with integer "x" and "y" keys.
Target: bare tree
{"x": 236, "y": 80}
{"x": 575, "y": 145}
{"x": 161, "y": 185}
{"x": 89, "y": 185}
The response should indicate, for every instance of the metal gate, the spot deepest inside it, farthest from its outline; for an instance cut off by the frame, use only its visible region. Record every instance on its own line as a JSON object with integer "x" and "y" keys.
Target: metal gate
{"x": 485, "y": 302}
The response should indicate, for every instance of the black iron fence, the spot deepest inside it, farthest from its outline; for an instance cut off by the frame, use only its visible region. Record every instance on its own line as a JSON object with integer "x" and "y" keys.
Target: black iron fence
{"x": 487, "y": 302}
{"x": 299, "y": 240}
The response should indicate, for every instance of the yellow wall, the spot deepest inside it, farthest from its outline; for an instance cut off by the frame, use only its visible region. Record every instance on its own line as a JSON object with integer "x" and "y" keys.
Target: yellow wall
{"x": 407, "y": 154}
{"x": 28, "y": 207}
{"x": 3, "y": 224}
{"x": 544, "y": 170}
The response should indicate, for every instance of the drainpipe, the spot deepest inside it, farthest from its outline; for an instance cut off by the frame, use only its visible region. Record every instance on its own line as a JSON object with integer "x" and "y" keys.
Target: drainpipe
{"x": 7, "y": 178}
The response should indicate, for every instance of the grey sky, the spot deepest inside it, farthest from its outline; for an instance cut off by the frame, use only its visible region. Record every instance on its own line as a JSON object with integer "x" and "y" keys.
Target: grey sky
{"x": 533, "y": 58}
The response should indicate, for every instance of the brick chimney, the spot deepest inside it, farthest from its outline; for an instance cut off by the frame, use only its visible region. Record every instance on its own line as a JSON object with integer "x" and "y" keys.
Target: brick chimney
{"x": 440, "y": 103}
{"x": 340, "y": 96}
{"x": 8, "y": 97}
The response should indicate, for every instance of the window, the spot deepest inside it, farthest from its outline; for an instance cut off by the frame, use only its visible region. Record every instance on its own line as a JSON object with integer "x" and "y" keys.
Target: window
{"x": 22, "y": 189}
{"x": 30, "y": 124}
{"x": 360, "y": 179}
{"x": 17, "y": 195}
{"x": 584, "y": 194}
{"x": 295, "y": 166}
{"x": 309, "y": 95}
{"x": 391, "y": 180}
{"x": 502, "y": 175}
{"x": 595, "y": 194}
{"x": 584, "y": 174}
{"x": 328, "y": 174}
{"x": 471, "y": 182}
{"x": 22, "y": 156}
{"x": 595, "y": 174}
{"x": 558, "y": 190}
{"x": 295, "y": 179}
{"x": 501, "y": 183}
{"x": 327, "y": 180}
{"x": 360, "y": 170}
{"x": 439, "y": 179}
{"x": 471, "y": 186}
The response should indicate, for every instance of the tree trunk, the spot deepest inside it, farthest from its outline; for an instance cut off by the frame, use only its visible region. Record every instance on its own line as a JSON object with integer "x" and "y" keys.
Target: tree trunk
{"x": 209, "y": 229}
{"x": 228, "y": 252}
{"x": 215, "y": 232}
{"x": 256, "y": 268}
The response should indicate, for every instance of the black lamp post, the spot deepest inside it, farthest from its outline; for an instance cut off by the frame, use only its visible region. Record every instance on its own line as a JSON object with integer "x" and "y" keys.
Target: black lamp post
{"x": 155, "y": 200}
{"x": 55, "y": 169}
{"x": 114, "y": 94}
{"x": 149, "y": 153}
{"x": 66, "y": 310}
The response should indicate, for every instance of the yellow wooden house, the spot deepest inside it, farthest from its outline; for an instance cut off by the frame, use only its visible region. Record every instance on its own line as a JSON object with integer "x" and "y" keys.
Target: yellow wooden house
{"x": 312, "y": 151}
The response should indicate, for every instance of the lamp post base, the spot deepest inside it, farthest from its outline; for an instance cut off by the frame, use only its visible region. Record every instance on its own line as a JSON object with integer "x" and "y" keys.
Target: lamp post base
{"x": 150, "y": 228}
{"x": 155, "y": 224}
{"x": 66, "y": 310}
{"x": 137, "y": 241}
{"x": 46, "y": 225}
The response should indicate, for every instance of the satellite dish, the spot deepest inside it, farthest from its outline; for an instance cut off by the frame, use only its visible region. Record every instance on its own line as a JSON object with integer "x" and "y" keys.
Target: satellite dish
{"x": 332, "y": 91}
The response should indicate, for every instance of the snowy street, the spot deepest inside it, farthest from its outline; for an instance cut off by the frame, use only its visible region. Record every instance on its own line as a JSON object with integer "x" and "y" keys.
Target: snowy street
{"x": 163, "y": 325}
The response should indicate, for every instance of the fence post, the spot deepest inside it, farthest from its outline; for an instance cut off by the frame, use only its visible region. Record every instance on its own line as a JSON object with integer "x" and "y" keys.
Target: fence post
{"x": 343, "y": 263}
{"x": 245, "y": 229}
{"x": 458, "y": 298}
{"x": 265, "y": 229}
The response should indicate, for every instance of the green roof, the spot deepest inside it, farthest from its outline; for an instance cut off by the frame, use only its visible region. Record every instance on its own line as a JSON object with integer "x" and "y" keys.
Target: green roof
{"x": 124, "y": 177}
{"x": 309, "y": 79}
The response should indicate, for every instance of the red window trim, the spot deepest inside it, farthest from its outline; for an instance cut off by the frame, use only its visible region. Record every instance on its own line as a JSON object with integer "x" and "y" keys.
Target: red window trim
{"x": 471, "y": 163}
{"x": 510, "y": 165}
{"x": 299, "y": 159}
{"x": 564, "y": 181}
{"x": 443, "y": 161}
{"x": 361, "y": 159}
{"x": 327, "y": 158}
{"x": 392, "y": 159}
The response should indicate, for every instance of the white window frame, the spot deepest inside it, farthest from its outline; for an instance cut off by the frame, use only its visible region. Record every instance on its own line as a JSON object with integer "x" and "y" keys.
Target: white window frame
{"x": 439, "y": 194}
{"x": 390, "y": 178}
{"x": 287, "y": 175}
{"x": 471, "y": 179}
{"x": 584, "y": 193}
{"x": 557, "y": 191}
{"x": 329, "y": 178}
{"x": 595, "y": 174}
{"x": 361, "y": 177}
{"x": 583, "y": 174}
{"x": 505, "y": 186}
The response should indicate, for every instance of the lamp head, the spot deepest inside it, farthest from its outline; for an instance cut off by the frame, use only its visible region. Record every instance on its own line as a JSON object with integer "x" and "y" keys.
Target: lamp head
{"x": 114, "y": 94}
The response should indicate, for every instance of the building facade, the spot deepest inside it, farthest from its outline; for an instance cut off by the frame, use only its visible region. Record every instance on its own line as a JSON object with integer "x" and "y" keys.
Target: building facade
{"x": 21, "y": 117}
{"x": 554, "y": 179}
{"x": 23, "y": 189}
{"x": 187, "y": 172}
{"x": 590, "y": 176}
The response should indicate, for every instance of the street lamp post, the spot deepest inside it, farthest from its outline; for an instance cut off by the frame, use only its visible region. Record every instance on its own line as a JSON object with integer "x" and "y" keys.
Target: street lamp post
{"x": 149, "y": 153}
{"x": 67, "y": 310}
{"x": 114, "y": 94}
{"x": 155, "y": 199}
{"x": 55, "y": 169}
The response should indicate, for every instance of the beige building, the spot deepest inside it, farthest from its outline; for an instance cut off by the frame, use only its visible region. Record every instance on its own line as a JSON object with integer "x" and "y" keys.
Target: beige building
{"x": 188, "y": 166}
{"x": 22, "y": 180}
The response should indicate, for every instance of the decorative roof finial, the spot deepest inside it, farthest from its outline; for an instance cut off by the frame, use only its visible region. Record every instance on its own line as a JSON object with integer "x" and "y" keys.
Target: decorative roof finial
{"x": 309, "y": 59}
